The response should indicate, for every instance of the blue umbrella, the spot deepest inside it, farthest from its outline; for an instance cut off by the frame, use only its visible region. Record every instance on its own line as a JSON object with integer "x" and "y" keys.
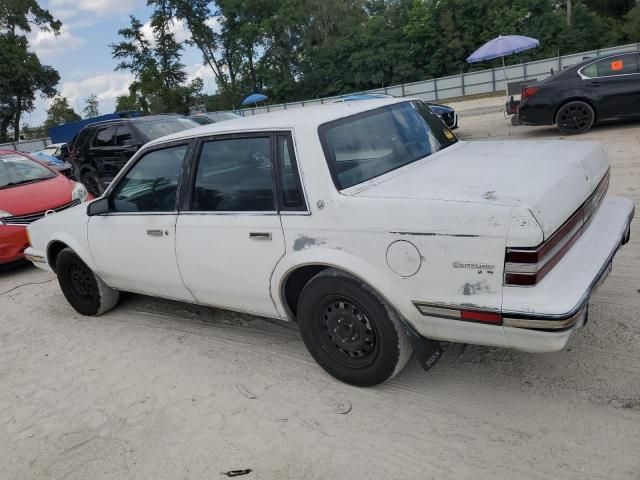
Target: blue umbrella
{"x": 254, "y": 98}
{"x": 502, "y": 46}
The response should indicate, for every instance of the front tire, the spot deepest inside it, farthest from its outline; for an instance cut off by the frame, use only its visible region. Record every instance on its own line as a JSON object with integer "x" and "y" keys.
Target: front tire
{"x": 92, "y": 181}
{"x": 350, "y": 331}
{"x": 82, "y": 288}
{"x": 575, "y": 117}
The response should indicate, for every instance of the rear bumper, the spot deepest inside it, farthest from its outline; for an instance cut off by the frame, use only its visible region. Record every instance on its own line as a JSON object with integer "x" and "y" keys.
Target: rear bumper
{"x": 535, "y": 115}
{"x": 541, "y": 318}
{"x": 13, "y": 241}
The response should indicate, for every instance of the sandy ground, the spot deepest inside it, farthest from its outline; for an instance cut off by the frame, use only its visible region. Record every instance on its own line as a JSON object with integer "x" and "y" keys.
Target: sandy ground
{"x": 162, "y": 390}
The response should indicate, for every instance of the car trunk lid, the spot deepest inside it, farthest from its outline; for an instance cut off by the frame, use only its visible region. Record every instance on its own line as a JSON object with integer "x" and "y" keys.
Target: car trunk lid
{"x": 551, "y": 178}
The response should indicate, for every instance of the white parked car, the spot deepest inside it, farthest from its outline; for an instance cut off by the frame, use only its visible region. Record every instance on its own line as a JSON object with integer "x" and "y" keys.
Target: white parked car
{"x": 368, "y": 223}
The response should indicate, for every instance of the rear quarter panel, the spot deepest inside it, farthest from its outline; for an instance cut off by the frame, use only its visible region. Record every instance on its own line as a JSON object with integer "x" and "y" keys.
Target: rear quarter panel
{"x": 354, "y": 234}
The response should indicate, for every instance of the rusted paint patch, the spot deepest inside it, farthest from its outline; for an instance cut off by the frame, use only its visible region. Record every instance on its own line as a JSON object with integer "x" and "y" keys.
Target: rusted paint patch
{"x": 432, "y": 234}
{"x": 490, "y": 195}
{"x": 307, "y": 242}
{"x": 476, "y": 288}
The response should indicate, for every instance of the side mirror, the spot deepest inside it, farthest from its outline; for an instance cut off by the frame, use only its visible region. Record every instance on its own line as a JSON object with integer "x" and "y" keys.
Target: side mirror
{"x": 98, "y": 207}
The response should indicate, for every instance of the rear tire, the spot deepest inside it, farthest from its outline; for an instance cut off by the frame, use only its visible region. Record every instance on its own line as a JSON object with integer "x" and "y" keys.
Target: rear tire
{"x": 350, "y": 331}
{"x": 82, "y": 288}
{"x": 575, "y": 117}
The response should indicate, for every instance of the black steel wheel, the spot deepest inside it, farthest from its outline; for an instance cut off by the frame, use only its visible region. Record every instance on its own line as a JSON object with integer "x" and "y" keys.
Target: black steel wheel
{"x": 85, "y": 291}
{"x": 575, "y": 117}
{"x": 347, "y": 332}
{"x": 350, "y": 331}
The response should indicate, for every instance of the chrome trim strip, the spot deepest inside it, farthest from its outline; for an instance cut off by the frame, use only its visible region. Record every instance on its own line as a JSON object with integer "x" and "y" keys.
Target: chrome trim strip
{"x": 586, "y": 77}
{"x": 532, "y": 323}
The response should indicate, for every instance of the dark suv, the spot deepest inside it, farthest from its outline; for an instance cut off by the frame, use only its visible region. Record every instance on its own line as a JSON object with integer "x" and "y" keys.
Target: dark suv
{"x": 101, "y": 149}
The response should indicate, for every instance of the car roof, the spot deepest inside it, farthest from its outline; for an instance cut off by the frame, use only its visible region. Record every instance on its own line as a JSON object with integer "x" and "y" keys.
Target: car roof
{"x": 312, "y": 116}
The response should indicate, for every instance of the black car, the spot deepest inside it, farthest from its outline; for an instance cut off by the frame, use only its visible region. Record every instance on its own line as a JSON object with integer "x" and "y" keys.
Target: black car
{"x": 101, "y": 149}
{"x": 596, "y": 90}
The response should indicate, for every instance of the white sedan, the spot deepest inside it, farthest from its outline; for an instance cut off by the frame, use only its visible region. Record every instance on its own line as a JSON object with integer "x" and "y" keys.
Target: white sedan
{"x": 368, "y": 223}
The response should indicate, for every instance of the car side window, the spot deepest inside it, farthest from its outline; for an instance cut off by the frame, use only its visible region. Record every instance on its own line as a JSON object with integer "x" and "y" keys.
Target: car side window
{"x": 234, "y": 175}
{"x": 612, "y": 66}
{"x": 82, "y": 139}
{"x": 124, "y": 134}
{"x": 151, "y": 185}
{"x": 106, "y": 137}
{"x": 290, "y": 189}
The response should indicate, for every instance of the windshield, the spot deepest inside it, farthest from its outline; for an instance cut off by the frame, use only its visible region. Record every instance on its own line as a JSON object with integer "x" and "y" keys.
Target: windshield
{"x": 165, "y": 126}
{"x": 367, "y": 145}
{"x": 17, "y": 170}
{"x": 201, "y": 119}
{"x": 222, "y": 116}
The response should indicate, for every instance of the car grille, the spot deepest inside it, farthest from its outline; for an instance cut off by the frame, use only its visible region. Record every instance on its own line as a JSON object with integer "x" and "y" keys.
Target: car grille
{"x": 32, "y": 217}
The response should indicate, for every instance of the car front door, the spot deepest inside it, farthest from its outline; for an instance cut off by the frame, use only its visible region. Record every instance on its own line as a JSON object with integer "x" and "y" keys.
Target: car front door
{"x": 133, "y": 245}
{"x": 615, "y": 83}
{"x": 229, "y": 236}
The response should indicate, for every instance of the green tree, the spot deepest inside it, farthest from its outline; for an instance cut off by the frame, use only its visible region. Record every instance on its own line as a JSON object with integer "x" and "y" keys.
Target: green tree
{"x": 22, "y": 75}
{"x": 60, "y": 113}
{"x": 159, "y": 84}
{"x": 93, "y": 107}
{"x": 631, "y": 26}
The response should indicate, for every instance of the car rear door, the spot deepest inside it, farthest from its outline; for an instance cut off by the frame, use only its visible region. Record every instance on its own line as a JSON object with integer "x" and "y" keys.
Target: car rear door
{"x": 229, "y": 236}
{"x": 133, "y": 245}
{"x": 615, "y": 84}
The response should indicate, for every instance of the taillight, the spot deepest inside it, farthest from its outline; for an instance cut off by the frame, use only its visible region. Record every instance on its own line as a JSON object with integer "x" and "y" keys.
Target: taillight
{"x": 491, "y": 317}
{"x": 529, "y": 92}
{"x": 528, "y": 266}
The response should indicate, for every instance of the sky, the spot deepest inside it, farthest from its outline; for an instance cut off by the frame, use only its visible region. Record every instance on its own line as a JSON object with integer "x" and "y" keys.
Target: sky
{"x": 82, "y": 56}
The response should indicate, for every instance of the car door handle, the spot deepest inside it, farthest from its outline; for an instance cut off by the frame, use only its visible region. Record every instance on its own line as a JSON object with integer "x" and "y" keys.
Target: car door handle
{"x": 260, "y": 235}
{"x": 155, "y": 233}
{"x": 595, "y": 84}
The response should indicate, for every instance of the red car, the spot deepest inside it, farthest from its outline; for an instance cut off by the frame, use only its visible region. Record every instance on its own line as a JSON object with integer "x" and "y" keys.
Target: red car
{"x": 29, "y": 190}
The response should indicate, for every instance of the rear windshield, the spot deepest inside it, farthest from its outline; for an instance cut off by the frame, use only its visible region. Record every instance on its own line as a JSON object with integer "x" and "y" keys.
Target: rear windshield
{"x": 18, "y": 170}
{"x": 166, "y": 126}
{"x": 367, "y": 145}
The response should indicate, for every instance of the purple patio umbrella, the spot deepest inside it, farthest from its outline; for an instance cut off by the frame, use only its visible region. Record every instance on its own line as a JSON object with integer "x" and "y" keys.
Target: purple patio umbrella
{"x": 502, "y": 46}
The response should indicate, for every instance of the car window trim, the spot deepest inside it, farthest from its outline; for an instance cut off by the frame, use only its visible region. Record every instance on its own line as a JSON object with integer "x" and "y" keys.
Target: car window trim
{"x": 586, "y": 77}
{"x": 190, "y": 177}
{"x": 138, "y": 157}
{"x": 279, "y": 162}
